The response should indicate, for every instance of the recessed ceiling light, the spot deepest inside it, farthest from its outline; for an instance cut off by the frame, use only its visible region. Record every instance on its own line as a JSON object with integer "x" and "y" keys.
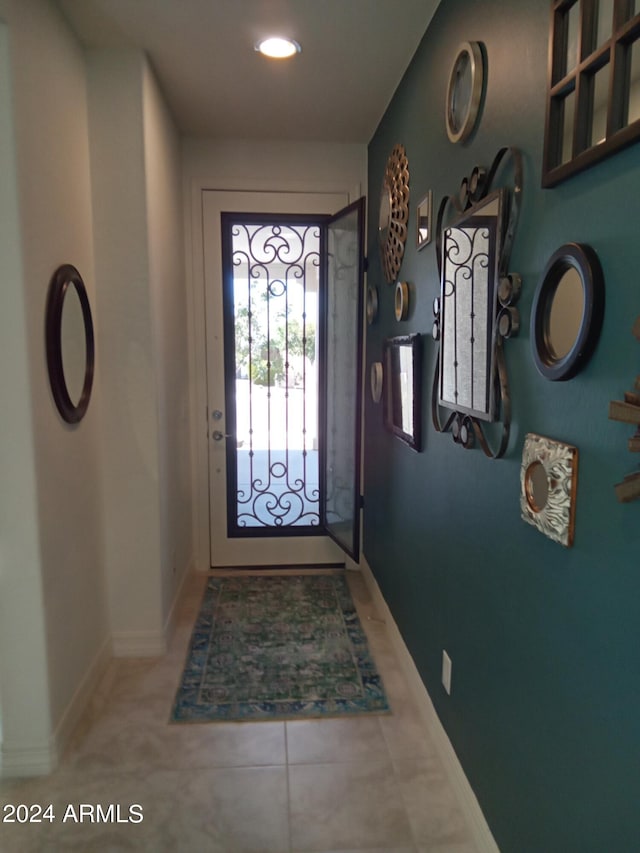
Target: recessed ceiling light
{"x": 278, "y": 48}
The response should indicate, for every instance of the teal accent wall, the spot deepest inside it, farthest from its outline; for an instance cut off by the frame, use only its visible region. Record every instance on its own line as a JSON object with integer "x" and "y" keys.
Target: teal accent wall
{"x": 545, "y": 641}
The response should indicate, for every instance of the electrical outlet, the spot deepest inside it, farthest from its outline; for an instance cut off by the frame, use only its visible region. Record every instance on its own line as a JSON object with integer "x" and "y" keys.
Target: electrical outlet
{"x": 446, "y": 672}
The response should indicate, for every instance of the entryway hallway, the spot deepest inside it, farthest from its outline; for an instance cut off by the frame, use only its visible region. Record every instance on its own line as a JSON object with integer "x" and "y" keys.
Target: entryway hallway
{"x": 373, "y": 784}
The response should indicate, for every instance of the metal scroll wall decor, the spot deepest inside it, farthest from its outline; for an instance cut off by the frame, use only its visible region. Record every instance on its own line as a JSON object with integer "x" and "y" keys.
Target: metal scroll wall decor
{"x": 394, "y": 212}
{"x": 476, "y": 311}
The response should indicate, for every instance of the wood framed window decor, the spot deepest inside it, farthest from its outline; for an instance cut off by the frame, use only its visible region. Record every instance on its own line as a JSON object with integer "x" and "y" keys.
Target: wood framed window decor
{"x": 593, "y": 98}
{"x": 476, "y": 310}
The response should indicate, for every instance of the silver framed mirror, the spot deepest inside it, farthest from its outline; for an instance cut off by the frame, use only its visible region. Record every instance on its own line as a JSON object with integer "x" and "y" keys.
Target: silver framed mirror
{"x": 567, "y": 312}
{"x": 464, "y": 91}
{"x": 548, "y": 486}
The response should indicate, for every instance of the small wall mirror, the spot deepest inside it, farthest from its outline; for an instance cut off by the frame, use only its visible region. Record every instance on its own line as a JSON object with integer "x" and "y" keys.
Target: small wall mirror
{"x": 568, "y": 310}
{"x": 394, "y": 212}
{"x": 548, "y": 485}
{"x": 424, "y": 225}
{"x": 402, "y": 359}
{"x": 70, "y": 343}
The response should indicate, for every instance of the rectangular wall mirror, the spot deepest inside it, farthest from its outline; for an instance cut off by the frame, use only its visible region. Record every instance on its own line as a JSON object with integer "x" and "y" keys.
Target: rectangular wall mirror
{"x": 470, "y": 253}
{"x": 402, "y": 359}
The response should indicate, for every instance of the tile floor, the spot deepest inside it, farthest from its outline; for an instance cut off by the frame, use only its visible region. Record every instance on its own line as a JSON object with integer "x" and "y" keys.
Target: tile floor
{"x": 371, "y": 784}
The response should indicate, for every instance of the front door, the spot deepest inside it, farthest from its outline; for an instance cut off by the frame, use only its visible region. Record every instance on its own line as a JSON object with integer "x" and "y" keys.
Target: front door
{"x": 273, "y": 483}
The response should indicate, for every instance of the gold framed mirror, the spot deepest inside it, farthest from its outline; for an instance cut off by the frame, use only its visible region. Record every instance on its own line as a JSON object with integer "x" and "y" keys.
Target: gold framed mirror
{"x": 394, "y": 212}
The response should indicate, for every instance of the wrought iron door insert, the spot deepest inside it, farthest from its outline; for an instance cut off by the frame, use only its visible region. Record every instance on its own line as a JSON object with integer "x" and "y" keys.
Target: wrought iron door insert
{"x": 271, "y": 267}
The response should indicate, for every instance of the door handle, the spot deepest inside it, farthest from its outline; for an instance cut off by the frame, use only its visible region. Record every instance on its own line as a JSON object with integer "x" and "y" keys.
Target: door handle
{"x": 216, "y": 435}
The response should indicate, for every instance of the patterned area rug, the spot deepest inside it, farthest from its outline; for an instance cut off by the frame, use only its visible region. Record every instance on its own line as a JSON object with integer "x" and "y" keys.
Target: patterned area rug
{"x": 278, "y": 647}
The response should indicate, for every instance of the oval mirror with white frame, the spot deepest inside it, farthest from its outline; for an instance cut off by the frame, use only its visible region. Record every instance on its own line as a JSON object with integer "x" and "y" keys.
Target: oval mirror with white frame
{"x": 567, "y": 313}
{"x": 69, "y": 343}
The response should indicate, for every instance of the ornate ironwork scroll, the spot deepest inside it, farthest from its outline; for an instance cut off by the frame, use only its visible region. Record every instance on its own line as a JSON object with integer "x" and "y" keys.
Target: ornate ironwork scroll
{"x": 476, "y": 311}
{"x": 274, "y": 479}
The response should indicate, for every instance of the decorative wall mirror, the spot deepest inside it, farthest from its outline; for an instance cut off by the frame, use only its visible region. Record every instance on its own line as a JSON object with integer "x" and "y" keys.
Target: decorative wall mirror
{"x": 567, "y": 313}
{"x": 402, "y": 360}
{"x": 401, "y": 301}
{"x": 69, "y": 343}
{"x": 548, "y": 485}
{"x": 424, "y": 226}
{"x": 464, "y": 91}
{"x": 372, "y": 303}
{"x": 376, "y": 381}
{"x": 593, "y": 98}
{"x": 394, "y": 212}
{"x": 476, "y": 310}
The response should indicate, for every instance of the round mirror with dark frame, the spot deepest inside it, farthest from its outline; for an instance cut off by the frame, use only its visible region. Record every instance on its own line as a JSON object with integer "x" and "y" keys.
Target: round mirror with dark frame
{"x": 70, "y": 343}
{"x": 567, "y": 313}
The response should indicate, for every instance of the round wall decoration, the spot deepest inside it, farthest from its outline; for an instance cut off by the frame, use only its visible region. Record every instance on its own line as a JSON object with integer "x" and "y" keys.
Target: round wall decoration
{"x": 464, "y": 91}
{"x": 394, "y": 212}
{"x": 376, "y": 378}
{"x": 69, "y": 343}
{"x": 402, "y": 301}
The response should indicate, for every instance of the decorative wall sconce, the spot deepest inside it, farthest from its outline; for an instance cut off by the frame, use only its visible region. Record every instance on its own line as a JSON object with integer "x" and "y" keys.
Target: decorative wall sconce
{"x": 548, "y": 485}
{"x": 476, "y": 310}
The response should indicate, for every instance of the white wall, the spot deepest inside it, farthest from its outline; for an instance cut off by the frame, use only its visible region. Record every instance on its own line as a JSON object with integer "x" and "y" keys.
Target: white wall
{"x": 244, "y": 165}
{"x": 126, "y": 371}
{"x": 139, "y": 268}
{"x": 169, "y": 331}
{"x": 90, "y": 174}
{"x": 52, "y": 570}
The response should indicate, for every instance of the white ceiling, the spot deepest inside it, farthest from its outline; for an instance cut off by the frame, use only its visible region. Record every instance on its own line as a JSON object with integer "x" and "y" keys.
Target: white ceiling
{"x": 354, "y": 53}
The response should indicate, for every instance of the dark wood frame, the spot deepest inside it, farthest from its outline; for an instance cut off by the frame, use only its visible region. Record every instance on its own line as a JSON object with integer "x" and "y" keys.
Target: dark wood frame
{"x": 615, "y": 51}
{"x": 62, "y": 278}
{"x": 391, "y": 401}
{"x": 585, "y": 261}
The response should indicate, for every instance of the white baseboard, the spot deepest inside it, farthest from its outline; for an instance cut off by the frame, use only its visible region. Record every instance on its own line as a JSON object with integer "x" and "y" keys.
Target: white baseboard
{"x": 138, "y": 644}
{"x": 81, "y": 698}
{"x": 21, "y": 761}
{"x": 170, "y": 621}
{"x": 476, "y": 821}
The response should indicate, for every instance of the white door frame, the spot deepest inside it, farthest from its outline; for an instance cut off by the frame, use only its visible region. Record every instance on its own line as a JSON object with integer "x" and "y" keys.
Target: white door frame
{"x": 194, "y": 258}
